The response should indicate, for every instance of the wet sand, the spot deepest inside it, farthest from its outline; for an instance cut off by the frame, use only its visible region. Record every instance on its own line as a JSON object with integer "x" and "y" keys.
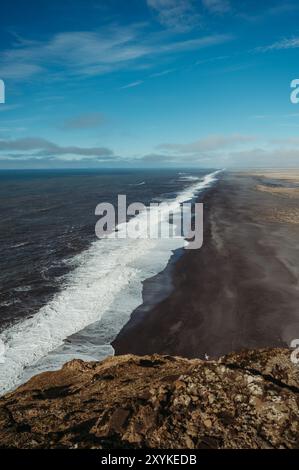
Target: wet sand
{"x": 240, "y": 290}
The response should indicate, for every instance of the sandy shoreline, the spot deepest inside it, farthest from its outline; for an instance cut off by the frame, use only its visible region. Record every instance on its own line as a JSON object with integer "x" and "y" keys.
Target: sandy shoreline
{"x": 240, "y": 290}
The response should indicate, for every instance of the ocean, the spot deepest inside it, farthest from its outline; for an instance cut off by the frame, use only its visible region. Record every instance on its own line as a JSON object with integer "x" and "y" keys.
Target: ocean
{"x": 64, "y": 293}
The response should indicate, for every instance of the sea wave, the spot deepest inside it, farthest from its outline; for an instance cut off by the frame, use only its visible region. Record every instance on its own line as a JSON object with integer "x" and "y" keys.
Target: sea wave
{"x": 138, "y": 184}
{"x": 107, "y": 281}
{"x": 189, "y": 178}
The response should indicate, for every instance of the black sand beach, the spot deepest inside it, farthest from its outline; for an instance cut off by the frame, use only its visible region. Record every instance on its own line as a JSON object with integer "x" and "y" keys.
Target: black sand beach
{"x": 240, "y": 290}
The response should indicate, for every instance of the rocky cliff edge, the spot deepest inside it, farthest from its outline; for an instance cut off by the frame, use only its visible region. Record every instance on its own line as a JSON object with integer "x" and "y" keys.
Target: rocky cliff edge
{"x": 244, "y": 400}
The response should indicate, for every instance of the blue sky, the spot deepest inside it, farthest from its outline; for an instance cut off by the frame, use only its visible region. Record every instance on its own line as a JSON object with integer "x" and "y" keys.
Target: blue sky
{"x": 149, "y": 83}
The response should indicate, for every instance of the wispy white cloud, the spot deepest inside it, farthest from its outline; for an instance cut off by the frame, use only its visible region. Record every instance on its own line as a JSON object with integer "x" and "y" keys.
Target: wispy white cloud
{"x": 209, "y": 143}
{"x": 231, "y": 151}
{"x": 132, "y": 84}
{"x": 208, "y": 150}
{"x": 278, "y": 9}
{"x": 217, "y": 6}
{"x": 34, "y": 147}
{"x": 18, "y": 70}
{"x": 81, "y": 52}
{"x": 178, "y": 15}
{"x": 282, "y": 7}
{"x": 179, "y": 46}
{"x": 197, "y": 43}
{"x": 162, "y": 73}
{"x": 84, "y": 53}
{"x": 153, "y": 75}
{"x": 291, "y": 43}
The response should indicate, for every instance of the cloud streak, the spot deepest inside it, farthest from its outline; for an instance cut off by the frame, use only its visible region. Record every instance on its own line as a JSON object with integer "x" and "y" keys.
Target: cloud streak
{"x": 232, "y": 151}
{"x": 132, "y": 84}
{"x": 178, "y": 15}
{"x": 85, "y": 53}
{"x": 291, "y": 43}
{"x": 33, "y": 147}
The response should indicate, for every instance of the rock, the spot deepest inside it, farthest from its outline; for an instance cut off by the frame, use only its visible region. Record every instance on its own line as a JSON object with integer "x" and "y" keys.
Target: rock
{"x": 244, "y": 400}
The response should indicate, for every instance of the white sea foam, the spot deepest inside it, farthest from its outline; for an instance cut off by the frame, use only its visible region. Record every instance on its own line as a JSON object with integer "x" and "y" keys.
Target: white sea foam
{"x": 96, "y": 300}
{"x": 138, "y": 184}
{"x": 188, "y": 178}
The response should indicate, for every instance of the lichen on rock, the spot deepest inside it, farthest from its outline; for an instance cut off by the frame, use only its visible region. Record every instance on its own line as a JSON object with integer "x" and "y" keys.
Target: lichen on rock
{"x": 243, "y": 400}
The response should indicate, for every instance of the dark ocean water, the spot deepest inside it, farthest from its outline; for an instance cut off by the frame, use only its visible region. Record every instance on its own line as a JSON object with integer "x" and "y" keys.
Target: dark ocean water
{"x": 47, "y": 217}
{"x": 49, "y": 252}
